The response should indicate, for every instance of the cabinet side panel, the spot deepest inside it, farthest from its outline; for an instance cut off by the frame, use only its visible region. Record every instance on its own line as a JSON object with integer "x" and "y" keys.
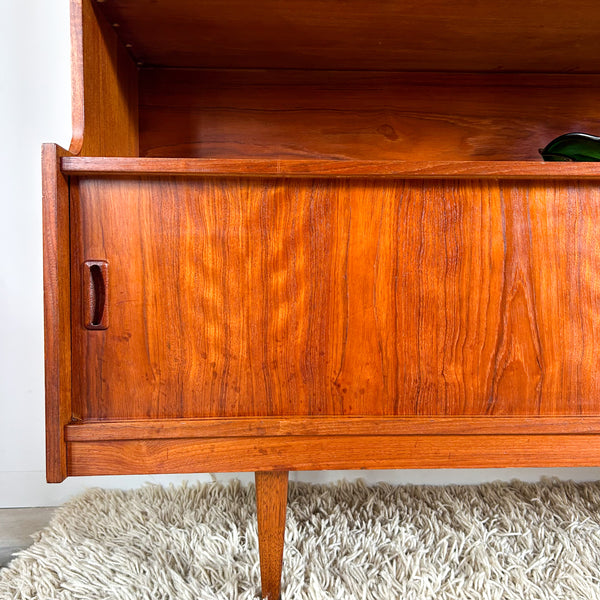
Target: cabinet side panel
{"x": 255, "y": 297}
{"x": 57, "y": 306}
{"x": 104, "y": 87}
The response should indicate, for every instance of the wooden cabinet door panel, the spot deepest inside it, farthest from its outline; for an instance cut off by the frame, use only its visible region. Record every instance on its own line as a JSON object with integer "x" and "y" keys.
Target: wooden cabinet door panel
{"x": 251, "y": 296}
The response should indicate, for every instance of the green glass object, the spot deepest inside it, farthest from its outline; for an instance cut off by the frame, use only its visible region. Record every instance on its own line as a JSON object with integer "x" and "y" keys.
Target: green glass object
{"x": 579, "y": 147}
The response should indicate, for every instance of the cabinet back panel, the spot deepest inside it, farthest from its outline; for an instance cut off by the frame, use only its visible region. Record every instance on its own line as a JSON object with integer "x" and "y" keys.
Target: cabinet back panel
{"x": 231, "y": 297}
{"x": 361, "y": 115}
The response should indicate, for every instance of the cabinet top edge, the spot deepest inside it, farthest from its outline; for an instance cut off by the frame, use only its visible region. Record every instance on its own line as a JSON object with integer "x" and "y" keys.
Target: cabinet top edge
{"x": 326, "y": 168}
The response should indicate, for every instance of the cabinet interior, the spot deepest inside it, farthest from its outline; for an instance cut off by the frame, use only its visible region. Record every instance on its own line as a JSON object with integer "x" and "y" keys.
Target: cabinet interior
{"x": 415, "y": 81}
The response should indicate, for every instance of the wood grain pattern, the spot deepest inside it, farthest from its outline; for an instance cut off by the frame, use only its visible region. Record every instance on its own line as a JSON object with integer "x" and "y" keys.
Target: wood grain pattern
{"x": 104, "y": 87}
{"x": 254, "y": 297}
{"x": 146, "y": 429}
{"x": 359, "y": 115}
{"x": 309, "y": 453}
{"x": 271, "y": 503}
{"x": 413, "y": 35}
{"x": 57, "y": 307}
{"x": 324, "y": 168}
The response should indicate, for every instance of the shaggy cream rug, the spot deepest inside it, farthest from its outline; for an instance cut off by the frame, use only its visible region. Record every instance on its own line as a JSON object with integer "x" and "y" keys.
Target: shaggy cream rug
{"x": 344, "y": 542}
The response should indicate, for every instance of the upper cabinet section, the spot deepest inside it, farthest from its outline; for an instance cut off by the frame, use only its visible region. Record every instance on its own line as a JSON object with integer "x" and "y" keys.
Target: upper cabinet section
{"x": 414, "y": 80}
{"x": 533, "y": 36}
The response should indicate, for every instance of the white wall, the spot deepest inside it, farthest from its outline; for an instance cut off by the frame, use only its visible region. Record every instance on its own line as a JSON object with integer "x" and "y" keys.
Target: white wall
{"x": 35, "y": 108}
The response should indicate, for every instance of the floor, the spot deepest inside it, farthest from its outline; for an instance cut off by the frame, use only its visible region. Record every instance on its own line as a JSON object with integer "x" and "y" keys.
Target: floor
{"x": 16, "y": 527}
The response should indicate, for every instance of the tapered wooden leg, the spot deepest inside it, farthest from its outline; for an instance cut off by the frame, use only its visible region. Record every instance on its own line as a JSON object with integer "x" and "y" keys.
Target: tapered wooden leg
{"x": 271, "y": 502}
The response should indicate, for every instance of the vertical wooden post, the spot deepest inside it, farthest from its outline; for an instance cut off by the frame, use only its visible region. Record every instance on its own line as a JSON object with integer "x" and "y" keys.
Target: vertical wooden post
{"x": 271, "y": 503}
{"x": 57, "y": 309}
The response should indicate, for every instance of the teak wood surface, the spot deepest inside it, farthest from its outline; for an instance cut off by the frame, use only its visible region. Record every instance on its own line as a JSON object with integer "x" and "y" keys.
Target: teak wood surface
{"x": 387, "y": 35}
{"x": 57, "y": 309}
{"x": 201, "y": 428}
{"x": 271, "y": 503}
{"x": 104, "y": 87}
{"x": 317, "y": 452}
{"x": 330, "y": 169}
{"x": 360, "y": 115}
{"x": 266, "y": 297}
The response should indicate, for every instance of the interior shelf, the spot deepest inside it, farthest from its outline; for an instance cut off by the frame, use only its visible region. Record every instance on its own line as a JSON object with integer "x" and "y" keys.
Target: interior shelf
{"x": 224, "y": 167}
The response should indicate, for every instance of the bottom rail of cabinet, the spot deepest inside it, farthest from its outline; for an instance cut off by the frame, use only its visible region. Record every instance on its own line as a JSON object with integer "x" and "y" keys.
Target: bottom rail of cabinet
{"x": 336, "y": 452}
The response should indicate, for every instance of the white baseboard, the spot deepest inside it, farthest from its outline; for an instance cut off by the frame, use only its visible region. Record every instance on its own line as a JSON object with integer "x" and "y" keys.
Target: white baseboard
{"x": 20, "y": 489}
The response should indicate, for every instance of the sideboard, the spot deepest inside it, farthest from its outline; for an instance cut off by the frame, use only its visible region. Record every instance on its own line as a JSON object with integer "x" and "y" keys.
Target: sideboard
{"x": 318, "y": 235}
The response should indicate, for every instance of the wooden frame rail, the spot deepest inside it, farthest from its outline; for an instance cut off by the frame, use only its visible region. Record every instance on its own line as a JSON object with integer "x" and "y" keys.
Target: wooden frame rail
{"x": 328, "y": 168}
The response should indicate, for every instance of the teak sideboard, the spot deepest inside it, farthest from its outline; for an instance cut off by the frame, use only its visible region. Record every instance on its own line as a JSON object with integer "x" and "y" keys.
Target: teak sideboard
{"x": 318, "y": 235}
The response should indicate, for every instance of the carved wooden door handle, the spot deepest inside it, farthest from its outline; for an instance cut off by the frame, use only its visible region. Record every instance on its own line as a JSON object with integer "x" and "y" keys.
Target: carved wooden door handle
{"x": 95, "y": 294}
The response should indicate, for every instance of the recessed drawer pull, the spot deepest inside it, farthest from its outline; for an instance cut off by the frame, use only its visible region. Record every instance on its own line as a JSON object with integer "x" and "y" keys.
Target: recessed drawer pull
{"x": 95, "y": 294}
